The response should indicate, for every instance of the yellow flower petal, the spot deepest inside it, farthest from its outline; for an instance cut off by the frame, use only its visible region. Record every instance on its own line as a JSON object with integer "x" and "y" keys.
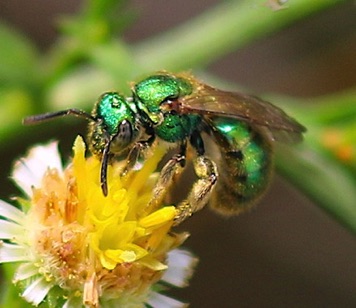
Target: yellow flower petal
{"x": 159, "y": 217}
{"x": 153, "y": 264}
{"x": 94, "y": 247}
{"x": 114, "y": 236}
{"x": 107, "y": 262}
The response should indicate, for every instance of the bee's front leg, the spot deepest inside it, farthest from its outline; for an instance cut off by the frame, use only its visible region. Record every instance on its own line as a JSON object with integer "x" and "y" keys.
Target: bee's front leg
{"x": 199, "y": 195}
{"x": 136, "y": 151}
{"x": 171, "y": 169}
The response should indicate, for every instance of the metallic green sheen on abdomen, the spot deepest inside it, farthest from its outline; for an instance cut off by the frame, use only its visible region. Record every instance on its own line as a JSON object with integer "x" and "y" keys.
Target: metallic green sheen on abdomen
{"x": 244, "y": 166}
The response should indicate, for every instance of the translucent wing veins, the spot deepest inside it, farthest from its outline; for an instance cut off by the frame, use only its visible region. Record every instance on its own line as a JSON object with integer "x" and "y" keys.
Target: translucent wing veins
{"x": 209, "y": 101}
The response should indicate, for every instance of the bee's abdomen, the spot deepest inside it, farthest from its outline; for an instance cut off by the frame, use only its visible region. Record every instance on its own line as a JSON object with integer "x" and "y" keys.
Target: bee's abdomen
{"x": 244, "y": 166}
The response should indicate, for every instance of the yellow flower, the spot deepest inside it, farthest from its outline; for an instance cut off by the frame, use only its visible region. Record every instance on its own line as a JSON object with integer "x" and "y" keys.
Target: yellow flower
{"x": 78, "y": 247}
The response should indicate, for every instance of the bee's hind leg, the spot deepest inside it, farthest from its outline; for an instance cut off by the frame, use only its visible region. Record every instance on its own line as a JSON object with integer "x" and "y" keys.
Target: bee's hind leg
{"x": 199, "y": 195}
{"x": 207, "y": 174}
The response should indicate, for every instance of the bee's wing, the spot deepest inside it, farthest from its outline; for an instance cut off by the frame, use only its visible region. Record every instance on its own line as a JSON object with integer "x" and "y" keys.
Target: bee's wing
{"x": 214, "y": 102}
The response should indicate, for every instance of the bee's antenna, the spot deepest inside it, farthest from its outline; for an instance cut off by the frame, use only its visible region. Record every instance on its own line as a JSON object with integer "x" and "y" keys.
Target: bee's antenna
{"x": 104, "y": 169}
{"x": 51, "y": 115}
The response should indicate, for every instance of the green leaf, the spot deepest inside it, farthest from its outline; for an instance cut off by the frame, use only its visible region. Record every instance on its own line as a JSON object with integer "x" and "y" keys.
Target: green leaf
{"x": 79, "y": 87}
{"x": 116, "y": 59}
{"x": 98, "y": 21}
{"x": 18, "y": 58}
{"x": 102, "y": 8}
{"x": 10, "y": 294}
{"x": 15, "y": 104}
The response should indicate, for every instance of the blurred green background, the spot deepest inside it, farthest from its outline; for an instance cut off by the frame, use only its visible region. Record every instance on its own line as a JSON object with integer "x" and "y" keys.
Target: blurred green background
{"x": 288, "y": 252}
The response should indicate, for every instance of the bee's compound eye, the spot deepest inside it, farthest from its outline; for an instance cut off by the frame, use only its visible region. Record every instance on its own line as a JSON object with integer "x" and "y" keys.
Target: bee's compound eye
{"x": 123, "y": 137}
{"x": 125, "y": 132}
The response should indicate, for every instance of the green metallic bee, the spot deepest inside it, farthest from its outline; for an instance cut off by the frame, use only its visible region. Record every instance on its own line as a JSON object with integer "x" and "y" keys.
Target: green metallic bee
{"x": 183, "y": 112}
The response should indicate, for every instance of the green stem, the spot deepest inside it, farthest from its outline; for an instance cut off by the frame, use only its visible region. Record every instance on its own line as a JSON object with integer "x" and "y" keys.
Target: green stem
{"x": 326, "y": 181}
{"x": 334, "y": 107}
{"x": 219, "y": 31}
{"x": 322, "y": 110}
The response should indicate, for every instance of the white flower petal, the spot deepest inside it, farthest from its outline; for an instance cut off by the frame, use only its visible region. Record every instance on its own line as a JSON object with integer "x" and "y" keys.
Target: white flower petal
{"x": 181, "y": 264}
{"x": 12, "y": 253}
{"x": 72, "y": 302}
{"x": 37, "y": 291}
{"x": 11, "y": 231}
{"x": 157, "y": 300}
{"x": 10, "y": 212}
{"x": 29, "y": 170}
{"x": 25, "y": 271}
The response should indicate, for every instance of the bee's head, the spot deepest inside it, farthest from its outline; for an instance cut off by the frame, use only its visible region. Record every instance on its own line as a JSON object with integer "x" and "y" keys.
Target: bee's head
{"x": 115, "y": 124}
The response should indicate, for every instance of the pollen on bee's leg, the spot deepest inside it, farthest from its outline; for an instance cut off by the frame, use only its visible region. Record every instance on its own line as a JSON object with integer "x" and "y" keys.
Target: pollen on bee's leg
{"x": 201, "y": 191}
